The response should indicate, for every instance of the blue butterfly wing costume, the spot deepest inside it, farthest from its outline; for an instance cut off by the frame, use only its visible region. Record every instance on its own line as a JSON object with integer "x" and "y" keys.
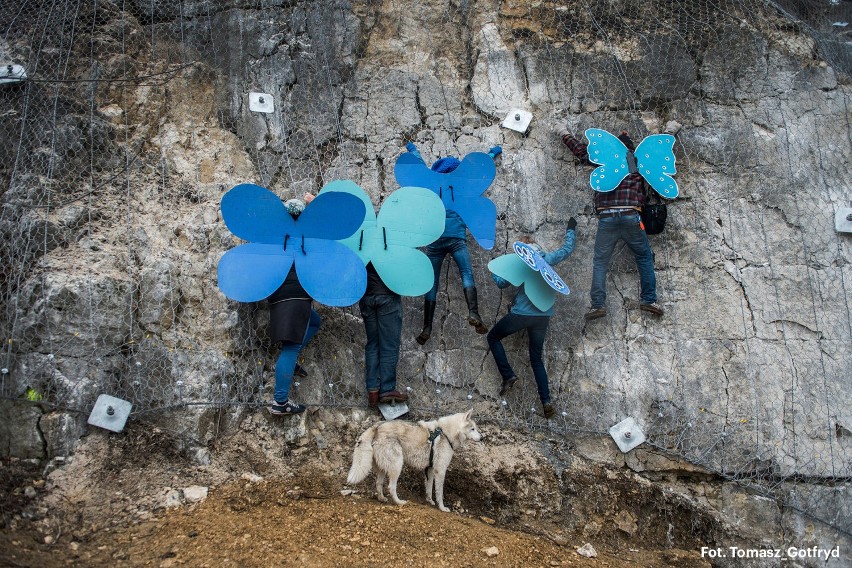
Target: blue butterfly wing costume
{"x": 655, "y": 161}
{"x": 328, "y": 271}
{"x": 409, "y": 217}
{"x": 460, "y": 190}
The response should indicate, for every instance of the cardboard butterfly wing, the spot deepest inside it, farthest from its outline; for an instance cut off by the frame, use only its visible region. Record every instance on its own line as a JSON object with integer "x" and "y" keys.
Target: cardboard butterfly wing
{"x": 253, "y": 271}
{"x": 655, "y": 161}
{"x": 510, "y": 267}
{"x": 328, "y": 271}
{"x": 460, "y": 190}
{"x": 608, "y": 151}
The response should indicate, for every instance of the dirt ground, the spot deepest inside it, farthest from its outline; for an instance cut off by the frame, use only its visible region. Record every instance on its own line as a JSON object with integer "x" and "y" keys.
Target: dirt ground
{"x": 110, "y": 506}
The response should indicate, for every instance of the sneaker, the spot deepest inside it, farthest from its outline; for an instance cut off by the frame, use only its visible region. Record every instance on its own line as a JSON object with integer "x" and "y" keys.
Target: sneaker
{"x": 373, "y": 398}
{"x": 300, "y": 371}
{"x": 548, "y": 409}
{"x": 654, "y": 308}
{"x": 507, "y": 385}
{"x": 288, "y": 407}
{"x": 595, "y": 313}
{"x": 393, "y": 396}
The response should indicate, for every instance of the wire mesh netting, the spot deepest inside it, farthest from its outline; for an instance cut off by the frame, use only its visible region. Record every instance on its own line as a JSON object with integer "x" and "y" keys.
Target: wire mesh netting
{"x": 123, "y": 124}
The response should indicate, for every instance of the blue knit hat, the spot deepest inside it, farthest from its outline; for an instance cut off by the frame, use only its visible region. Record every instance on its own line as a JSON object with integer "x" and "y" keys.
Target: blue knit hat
{"x": 445, "y": 165}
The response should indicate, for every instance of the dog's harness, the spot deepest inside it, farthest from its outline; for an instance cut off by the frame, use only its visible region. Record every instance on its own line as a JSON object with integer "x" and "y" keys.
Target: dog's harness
{"x": 433, "y": 439}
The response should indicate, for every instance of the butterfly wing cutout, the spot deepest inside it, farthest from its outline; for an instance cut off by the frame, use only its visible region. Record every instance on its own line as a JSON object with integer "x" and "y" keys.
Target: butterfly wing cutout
{"x": 255, "y": 214}
{"x": 460, "y": 190}
{"x": 410, "y": 217}
{"x": 608, "y": 151}
{"x": 253, "y": 271}
{"x": 512, "y": 268}
{"x": 655, "y": 160}
{"x": 332, "y": 275}
{"x": 534, "y": 260}
{"x": 329, "y": 271}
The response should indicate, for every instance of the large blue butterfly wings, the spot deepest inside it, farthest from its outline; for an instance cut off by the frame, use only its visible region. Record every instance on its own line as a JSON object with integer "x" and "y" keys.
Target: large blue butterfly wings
{"x": 327, "y": 270}
{"x": 655, "y": 161}
{"x": 460, "y": 190}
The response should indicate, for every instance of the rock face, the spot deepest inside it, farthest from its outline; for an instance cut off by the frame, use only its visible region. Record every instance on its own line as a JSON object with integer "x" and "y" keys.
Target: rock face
{"x": 111, "y": 228}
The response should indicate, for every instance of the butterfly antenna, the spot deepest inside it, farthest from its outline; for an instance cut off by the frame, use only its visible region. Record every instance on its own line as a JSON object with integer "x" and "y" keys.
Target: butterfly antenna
{"x": 361, "y": 240}
{"x": 285, "y": 241}
{"x": 452, "y": 194}
{"x": 385, "y": 237}
{"x": 303, "y": 245}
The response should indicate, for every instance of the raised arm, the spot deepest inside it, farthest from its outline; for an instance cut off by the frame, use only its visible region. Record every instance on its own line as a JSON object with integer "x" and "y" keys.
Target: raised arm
{"x": 579, "y": 149}
{"x": 555, "y": 257}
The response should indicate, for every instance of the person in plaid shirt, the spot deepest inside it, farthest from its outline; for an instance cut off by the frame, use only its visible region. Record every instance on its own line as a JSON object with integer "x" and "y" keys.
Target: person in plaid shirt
{"x": 618, "y": 219}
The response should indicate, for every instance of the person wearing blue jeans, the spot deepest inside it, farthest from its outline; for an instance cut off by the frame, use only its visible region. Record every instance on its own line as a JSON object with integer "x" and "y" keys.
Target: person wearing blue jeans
{"x": 525, "y": 315}
{"x": 453, "y": 241}
{"x": 381, "y": 310}
{"x": 618, "y": 219}
{"x": 293, "y": 323}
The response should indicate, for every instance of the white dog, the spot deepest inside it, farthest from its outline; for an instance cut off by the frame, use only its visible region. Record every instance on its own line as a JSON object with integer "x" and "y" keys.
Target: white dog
{"x": 427, "y": 446}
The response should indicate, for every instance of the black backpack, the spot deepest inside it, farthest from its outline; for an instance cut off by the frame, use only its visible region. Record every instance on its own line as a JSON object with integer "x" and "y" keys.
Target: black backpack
{"x": 653, "y": 213}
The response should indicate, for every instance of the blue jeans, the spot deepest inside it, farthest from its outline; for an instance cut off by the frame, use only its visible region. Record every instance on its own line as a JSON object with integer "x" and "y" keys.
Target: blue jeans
{"x": 383, "y": 323}
{"x": 436, "y": 253}
{"x": 610, "y": 231}
{"x": 286, "y": 363}
{"x": 536, "y": 327}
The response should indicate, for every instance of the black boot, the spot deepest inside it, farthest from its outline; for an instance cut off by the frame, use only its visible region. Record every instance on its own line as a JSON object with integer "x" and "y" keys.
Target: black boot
{"x": 473, "y": 310}
{"x": 428, "y": 315}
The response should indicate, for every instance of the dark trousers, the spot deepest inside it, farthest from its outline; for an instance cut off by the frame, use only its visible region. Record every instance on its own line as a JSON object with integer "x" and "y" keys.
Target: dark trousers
{"x": 382, "y": 315}
{"x": 536, "y": 327}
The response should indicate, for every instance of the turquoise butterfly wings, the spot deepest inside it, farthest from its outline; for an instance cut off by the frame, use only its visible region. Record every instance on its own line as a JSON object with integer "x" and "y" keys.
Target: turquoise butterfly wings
{"x": 328, "y": 271}
{"x": 460, "y": 190}
{"x": 655, "y": 161}
{"x": 527, "y": 267}
{"x": 410, "y": 217}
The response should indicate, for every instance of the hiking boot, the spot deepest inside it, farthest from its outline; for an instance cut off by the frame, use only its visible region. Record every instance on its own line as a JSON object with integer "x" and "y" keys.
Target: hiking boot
{"x": 373, "y": 398}
{"x": 393, "y": 396}
{"x": 428, "y": 316}
{"x": 288, "y": 407}
{"x": 654, "y": 308}
{"x": 300, "y": 371}
{"x": 595, "y": 313}
{"x": 548, "y": 409}
{"x": 507, "y": 385}
{"x": 473, "y": 318}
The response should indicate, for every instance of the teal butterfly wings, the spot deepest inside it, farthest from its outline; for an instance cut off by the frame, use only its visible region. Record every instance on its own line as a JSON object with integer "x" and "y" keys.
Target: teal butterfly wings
{"x": 526, "y": 267}
{"x": 655, "y": 161}
{"x": 410, "y": 217}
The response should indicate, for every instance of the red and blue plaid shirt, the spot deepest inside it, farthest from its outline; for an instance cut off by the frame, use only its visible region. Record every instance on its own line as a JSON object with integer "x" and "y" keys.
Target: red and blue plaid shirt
{"x": 629, "y": 193}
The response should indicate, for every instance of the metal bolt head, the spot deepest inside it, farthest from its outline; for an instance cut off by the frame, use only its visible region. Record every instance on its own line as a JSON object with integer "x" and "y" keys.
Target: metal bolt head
{"x": 260, "y": 100}
{"x": 628, "y": 435}
{"x": 517, "y": 117}
{"x": 110, "y": 411}
{"x": 849, "y": 217}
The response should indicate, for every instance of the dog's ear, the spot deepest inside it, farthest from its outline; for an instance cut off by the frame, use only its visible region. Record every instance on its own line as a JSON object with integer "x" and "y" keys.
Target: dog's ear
{"x": 468, "y": 414}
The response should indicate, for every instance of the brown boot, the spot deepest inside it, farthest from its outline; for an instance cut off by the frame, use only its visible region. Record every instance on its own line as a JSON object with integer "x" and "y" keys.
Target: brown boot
{"x": 473, "y": 310}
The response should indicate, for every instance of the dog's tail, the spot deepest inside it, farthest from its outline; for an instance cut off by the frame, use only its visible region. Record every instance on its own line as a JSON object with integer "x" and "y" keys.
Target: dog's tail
{"x": 362, "y": 458}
